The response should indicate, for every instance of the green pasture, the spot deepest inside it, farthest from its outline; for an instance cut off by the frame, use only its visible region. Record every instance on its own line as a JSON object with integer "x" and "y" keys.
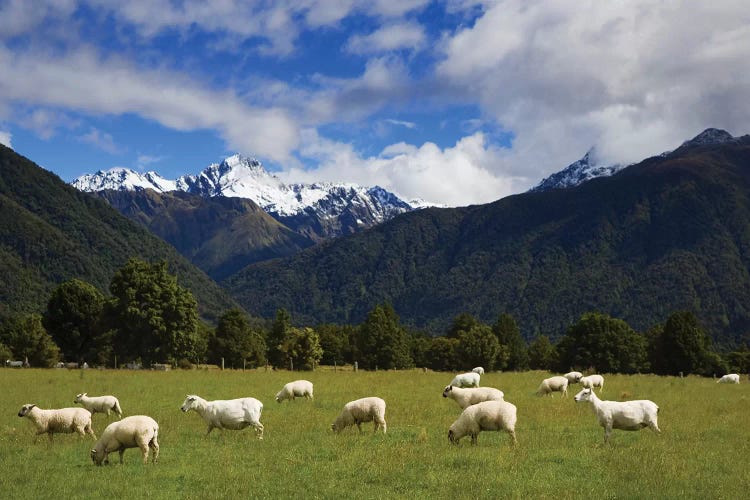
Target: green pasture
{"x": 702, "y": 452}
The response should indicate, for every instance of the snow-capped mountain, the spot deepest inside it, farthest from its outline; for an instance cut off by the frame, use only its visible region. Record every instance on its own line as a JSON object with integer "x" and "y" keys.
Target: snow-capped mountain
{"x": 318, "y": 210}
{"x": 578, "y": 172}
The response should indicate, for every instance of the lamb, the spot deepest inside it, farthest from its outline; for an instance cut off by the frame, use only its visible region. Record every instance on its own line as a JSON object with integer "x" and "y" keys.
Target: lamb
{"x": 593, "y": 381}
{"x": 298, "y": 388}
{"x": 137, "y": 431}
{"x": 472, "y": 396}
{"x": 64, "y": 420}
{"x": 478, "y": 370}
{"x": 731, "y": 378}
{"x": 573, "y": 377}
{"x": 484, "y": 416}
{"x": 101, "y": 404}
{"x": 370, "y": 409}
{"x": 553, "y": 384}
{"x": 470, "y": 379}
{"x": 626, "y": 415}
{"x": 233, "y": 414}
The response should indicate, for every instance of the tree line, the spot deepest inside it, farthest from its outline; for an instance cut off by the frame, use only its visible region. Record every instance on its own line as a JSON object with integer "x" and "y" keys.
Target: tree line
{"x": 149, "y": 318}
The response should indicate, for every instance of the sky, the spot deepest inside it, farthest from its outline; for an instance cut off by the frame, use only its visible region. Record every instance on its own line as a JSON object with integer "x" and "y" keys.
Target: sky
{"x": 455, "y": 102}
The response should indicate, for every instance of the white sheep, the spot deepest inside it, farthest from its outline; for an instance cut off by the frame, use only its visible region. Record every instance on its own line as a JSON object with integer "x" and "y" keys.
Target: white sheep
{"x": 469, "y": 379}
{"x": 592, "y": 381}
{"x": 472, "y": 396}
{"x": 624, "y": 415}
{"x": 101, "y": 404}
{"x": 553, "y": 384}
{"x": 63, "y": 420}
{"x": 485, "y": 416}
{"x": 478, "y": 370}
{"x": 573, "y": 377}
{"x": 370, "y": 409}
{"x": 731, "y": 378}
{"x": 296, "y": 389}
{"x": 137, "y": 431}
{"x": 233, "y": 414}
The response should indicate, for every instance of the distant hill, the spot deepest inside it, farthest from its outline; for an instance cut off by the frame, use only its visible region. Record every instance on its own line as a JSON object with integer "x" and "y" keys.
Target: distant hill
{"x": 50, "y": 232}
{"x": 669, "y": 233}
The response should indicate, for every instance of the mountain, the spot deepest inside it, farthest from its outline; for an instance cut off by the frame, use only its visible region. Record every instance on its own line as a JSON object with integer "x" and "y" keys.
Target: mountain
{"x": 317, "y": 211}
{"x": 669, "y": 233}
{"x": 585, "y": 169}
{"x": 50, "y": 233}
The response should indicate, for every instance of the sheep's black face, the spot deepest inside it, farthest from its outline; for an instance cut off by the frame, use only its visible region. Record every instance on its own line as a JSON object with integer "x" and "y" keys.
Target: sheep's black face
{"x": 451, "y": 436}
{"x": 25, "y": 409}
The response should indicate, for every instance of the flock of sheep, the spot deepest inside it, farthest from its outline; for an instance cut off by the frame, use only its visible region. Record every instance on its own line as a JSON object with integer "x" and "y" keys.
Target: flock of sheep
{"x": 483, "y": 409}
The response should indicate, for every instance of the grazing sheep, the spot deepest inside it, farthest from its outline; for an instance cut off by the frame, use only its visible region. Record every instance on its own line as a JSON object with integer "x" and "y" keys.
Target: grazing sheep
{"x": 370, "y": 409}
{"x": 234, "y": 414}
{"x": 485, "y": 416}
{"x": 553, "y": 384}
{"x": 593, "y": 381}
{"x": 625, "y": 415}
{"x": 731, "y": 378}
{"x": 470, "y": 379}
{"x": 64, "y": 420}
{"x": 573, "y": 377}
{"x": 296, "y": 389}
{"x": 101, "y": 404}
{"x": 137, "y": 431}
{"x": 472, "y": 396}
{"x": 478, "y": 370}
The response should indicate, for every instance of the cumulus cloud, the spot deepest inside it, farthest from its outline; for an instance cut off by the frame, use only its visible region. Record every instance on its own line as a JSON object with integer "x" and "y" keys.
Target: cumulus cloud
{"x": 387, "y": 38}
{"x": 5, "y": 138}
{"x": 100, "y": 140}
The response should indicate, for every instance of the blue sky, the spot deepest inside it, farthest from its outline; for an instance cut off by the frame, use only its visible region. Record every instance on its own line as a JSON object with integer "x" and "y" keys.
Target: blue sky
{"x": 455, "y": 102}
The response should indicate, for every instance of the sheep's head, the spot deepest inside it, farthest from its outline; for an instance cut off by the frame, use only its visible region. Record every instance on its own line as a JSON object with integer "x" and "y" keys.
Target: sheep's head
{"x": 447, "y": 391}
{"x": 584, "y": 395}
{"x": 452, "y": 437}
{"x": 188, "y": 403}
{"x": 78, "y": 397}
{"x": 98, "y": 457}
{"x": 25, "y": 409}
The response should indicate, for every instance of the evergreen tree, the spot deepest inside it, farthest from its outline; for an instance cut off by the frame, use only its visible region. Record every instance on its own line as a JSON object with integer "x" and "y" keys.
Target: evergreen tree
{"x": 237, "y": 342}
{"x": 276, "y": 337}
{"x": 334, "y": 340}
{"x": 442, "y": 354}
{"x": 479, "y": 346}
{"x": 301, "y": 348}
{"x": 682, "y": 346}
{"x": 542, "y": 354}
{"x": 507, "y": 332}
{"x": 26, "y": 338}
{"x": 383, "y": 343}
{"x": 461, "y": 323}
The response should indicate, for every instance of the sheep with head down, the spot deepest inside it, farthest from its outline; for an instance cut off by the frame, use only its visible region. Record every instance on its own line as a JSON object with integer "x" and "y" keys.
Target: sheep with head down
{"x": 730, "y": 378}
{"x": 296, "y": 389}
{"x": 370, "y": 409}
{"x": 469, "y": 379}
{"x": 137, "y": 431}
{"x": 593, "y": 381}
{"x": 553, "y": 384}
{"x": 484, "y": 416}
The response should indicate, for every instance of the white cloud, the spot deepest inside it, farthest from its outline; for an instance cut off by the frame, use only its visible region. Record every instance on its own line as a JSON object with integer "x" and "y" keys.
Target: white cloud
{"x": 401, "y": 123}
{"x": 100, "y": 140}
{"x": 5, "y": 138}
{"x": 397, "y": 36}
{"x": 143, "y": 161}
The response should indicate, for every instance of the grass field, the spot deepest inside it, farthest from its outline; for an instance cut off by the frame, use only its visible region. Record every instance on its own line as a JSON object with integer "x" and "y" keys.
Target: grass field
{"x": 703, "y": 451}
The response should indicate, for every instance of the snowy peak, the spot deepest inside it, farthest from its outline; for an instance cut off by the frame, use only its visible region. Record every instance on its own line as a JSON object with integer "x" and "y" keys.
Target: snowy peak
{"x": 123, "y": 179}
{"x": 709, "y": 137}
{"x": 578, "y": 172}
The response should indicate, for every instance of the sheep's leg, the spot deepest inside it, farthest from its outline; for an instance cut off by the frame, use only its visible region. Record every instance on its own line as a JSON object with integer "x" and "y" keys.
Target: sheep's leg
{"x": 258, "y": 429}
{"x": 607, "y": 433}
{"x": 359, "y": 425}
{"x": 154, "y": 444}
{"x": 474, "y": 438}
{"x": 49, "y": 435}
{"x": 90, "y": 430}
{"x": 122, "y": 453}
{"x": 654, "y": 427}
{"x": 383, "y": 425}
{"x": 513, "y": 440}
{"x": 210, "y": 428}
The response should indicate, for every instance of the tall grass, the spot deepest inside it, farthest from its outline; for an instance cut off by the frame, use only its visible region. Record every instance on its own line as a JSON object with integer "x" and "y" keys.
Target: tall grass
{"x": 702, "y": 452}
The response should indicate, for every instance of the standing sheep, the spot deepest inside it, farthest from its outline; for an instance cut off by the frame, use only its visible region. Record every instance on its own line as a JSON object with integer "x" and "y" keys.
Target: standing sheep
{"x": 137, "y": 431}
{"x": 469, "y": 379}
{"x": 296, "y": 389}
{"x": 370, "y": 409}
{"x": 478, "y": 370}
{"x": 64, "y": 420}
{"x": 101, "y": 404}
{"x": 233, "y": 414}
{"x": 553, "y": 384}
{"x": 593, "y": 381}
{"x": 472, "y": 396}
{"x": 573, "y": 377}
{"x": 731, "y": 378}
{"x": 485, "y": 416}
{"x": 625, "y": 415}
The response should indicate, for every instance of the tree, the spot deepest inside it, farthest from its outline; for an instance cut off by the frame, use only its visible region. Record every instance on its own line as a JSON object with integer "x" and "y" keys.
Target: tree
{"x": 461, "y": 323}
{"x": 682, "y": 346}
{"x": 508, "y": 334}
{"x": 276, "y": 337}
{"x": 236, "y": 341}
{"x": 73, "y": 320}
{"x": 26, "y": 338}
{"x": 301, "y": 347}
{"x": 383, "y": 343}
{"x": 153, "y": 318}
{"x": 478, "y": 346}
{"x": 335, "y": 342}
{"x": 606, "y": 343}
{"x": 542, "y": 354}
{"x": 442, "y": 354}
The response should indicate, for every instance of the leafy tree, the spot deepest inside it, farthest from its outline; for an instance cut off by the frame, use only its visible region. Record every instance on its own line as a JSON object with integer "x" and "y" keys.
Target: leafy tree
{"x": 682, "y": 346}
{"x": 606, "y": 343}
{"x": 738, "y": 361}
{"x": 420, "y": 348}
{"x": 461, "y": 323}
{"x": 335, "y": 342}
{"x": 301, "y": 347}
{"x": 154, "y": 318}
{"x": 26, "y": 338}
{"x": 276, "y": 337}
{"x": 5, "y": 353}
{"x": 383, "y": 343}
{"x": 507, "y": 332}
{"x": 442, "y": 354}
{"x": 479, "y": 346}
{"x": 73, "y": 317}
{"x": 236, "y": 341}
{"x": 542, "y": 354}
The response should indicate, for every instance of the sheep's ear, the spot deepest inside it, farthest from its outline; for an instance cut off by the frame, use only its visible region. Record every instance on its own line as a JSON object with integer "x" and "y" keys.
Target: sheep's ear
{"x": 31, "y": 406}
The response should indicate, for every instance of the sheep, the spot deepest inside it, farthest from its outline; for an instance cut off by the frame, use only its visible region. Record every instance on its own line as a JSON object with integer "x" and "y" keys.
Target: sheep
{"x": 731, "y": 378}
{"x": 472, "y": 396}
{"x": 370, "y": 409}
{"x": 573, "y": 377}
{"x": 593, "y": 381}
{"x": 470, "y": 379}
{"x": 298, "y": 388}
{"x": 478, "y": 370}
{"x": 624, "y": 415}
{"x": 137, "y": 431}
{"x": 484, "y": 416}
{"x": 553, "y": 384}
{"x": 233, "y": 414}
{"x": 101, "y": 404}
{"x": 63, "y": 420}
